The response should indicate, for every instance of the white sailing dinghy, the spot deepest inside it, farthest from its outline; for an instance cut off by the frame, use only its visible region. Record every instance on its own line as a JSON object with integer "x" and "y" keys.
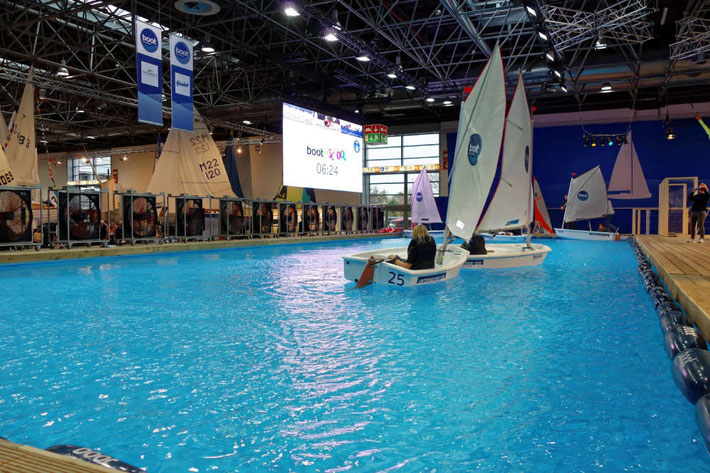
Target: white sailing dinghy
{"x": 586, "y": 200}
{"x": 509, "y": 209}
{"x": 627, "y": 179}
{"x": 424, "y": 209}
{"x": 543, "y": 224}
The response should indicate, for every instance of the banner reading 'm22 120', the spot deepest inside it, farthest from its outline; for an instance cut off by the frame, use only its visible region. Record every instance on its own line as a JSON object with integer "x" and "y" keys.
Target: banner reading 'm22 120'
{"x": 181, "y": 82}
{"x": 149, "y": 67}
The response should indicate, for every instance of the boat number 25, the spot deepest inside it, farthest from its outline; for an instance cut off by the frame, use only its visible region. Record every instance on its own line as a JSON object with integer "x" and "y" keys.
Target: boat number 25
{"x": 210, "y": 168}
{"x": 396, "y": 279}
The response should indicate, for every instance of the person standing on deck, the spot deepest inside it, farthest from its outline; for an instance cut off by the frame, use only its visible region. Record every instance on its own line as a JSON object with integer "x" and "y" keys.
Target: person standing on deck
{"x": 699, "y": 196}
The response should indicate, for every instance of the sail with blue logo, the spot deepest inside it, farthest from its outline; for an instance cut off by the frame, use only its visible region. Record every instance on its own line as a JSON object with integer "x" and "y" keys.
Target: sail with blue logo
{"x": 587, "y": 198}
{"x": 478, "y": 142}
{"x": 424, "y": 208}
{"x": 510, "y": 206}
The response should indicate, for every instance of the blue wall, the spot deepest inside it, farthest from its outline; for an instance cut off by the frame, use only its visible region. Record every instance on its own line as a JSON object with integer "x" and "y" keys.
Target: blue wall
{"x": 559, "y": 151}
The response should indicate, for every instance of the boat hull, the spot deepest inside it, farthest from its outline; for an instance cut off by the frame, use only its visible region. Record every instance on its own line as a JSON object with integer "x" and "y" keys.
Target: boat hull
{"x": 503, "y": 238}
{"x": 393, "y": 275}
{"x": 508, "y": 256}
{"x": 586, "y": 235}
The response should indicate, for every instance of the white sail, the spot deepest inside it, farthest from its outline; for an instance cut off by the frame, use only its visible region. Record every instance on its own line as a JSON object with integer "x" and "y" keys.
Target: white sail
{"x": 6, "y": 176}
{"x": 586, "y": 198}
{"x": 21, "y": 150}
{"x": 543, "y": 224}
{"x": 609, "y": 208}
{"x": 424, "y": 208}
{"x": 627, "y": 177}
{"x": 4, "y": 132}
{"x": 477, "y": 151}
{"x": 510, "y": 205}
{"x": 190, "y": 164}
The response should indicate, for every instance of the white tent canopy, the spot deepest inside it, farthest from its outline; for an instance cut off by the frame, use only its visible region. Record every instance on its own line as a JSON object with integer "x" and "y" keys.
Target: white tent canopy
{"x": 586, "y": 198}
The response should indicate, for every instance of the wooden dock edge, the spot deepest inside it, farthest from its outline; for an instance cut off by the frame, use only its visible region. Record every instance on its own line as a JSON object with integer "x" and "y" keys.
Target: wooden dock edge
{"x": 30, "y": 256}
{"x": 675, "y": 284}
{"x": 15, "y": 457}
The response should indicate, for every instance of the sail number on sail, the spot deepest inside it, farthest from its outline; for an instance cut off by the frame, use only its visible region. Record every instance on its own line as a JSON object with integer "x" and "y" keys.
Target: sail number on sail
{"x": 6, "y": 178}
{"x": 210, "y": 168}
{"x": 22, "y": 139}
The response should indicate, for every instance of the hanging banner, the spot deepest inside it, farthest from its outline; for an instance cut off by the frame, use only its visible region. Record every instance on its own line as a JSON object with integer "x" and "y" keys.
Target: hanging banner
{"x": 149, "y": 68}
{"x": 181, "y": 82}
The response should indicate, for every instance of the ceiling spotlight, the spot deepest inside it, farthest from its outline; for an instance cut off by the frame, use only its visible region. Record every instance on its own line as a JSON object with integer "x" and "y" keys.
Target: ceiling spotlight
{"x": 606, "y": 87}
{"x": 670, "y": 135}
{"x": 330, "y": 37}
{"x": 531, "y": 10}
{"x": 594, "y": 142}
{"x": 239, "y": 150}
{"x": 610, "y": 140}
{"x": 600, "y": 44}
{"x": 79, "y": 110}
{"x": 43, "y": 140}
{"x": 542, "y": 35}
{"x": 59, "y": 162}
{"x": 42, "y": 94}
{"x": 289, "y": 10}
{"x": 63, "y": 71}
{"x": 602, "y": 141}
{"x": 447, "y": 102}
{"x": 392, "y": 75}
{"x": 246, "y": 122}
{"x": 586, "y": 141}
{"x": 557, "y": 73}
{"x": 550, "y": 56}
{"x": 410, "y": 87}
{"x": 429, "y": 99}
{"x": 207, "y": 45}
{"x": 357, "y": 110}
{"x": 124, "y": 158}
{"x": 363, "y": 58}
{"x": 563, "y": 87}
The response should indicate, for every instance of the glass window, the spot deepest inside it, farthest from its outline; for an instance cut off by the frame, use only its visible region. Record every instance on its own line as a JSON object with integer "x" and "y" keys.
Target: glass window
{"x": 88, "y": 171}
{"x": 422, "y": 139}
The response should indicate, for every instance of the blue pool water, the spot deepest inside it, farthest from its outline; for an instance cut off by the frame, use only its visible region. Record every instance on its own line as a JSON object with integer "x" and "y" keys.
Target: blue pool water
{"x": 265, "y": 359}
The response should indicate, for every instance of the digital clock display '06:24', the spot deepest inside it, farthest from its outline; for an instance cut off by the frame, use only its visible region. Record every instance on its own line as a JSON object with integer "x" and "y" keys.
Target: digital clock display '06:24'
{"x": 327, "y": 169}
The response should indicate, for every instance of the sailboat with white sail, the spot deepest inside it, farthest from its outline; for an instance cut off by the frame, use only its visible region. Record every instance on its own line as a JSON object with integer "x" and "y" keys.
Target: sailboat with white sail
{"x": 587, "y": 199}
{"x": 21, "y": 149}
{"x": 627, "y": 179}
{"x": 424, "y": 209}
{"x": 509, "y": 209}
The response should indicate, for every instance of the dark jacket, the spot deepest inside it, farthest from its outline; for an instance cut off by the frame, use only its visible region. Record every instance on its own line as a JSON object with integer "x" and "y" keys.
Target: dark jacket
{"x": 476, "y": 245}
{"x": 700, "y": 200}
{"x": 422, "y": 255}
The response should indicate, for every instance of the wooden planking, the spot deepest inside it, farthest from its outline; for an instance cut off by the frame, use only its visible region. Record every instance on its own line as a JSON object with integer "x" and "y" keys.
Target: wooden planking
{"x": 28, "y": 256}
{"x": 16, "y": 458}
{"x": 685, "y": 269}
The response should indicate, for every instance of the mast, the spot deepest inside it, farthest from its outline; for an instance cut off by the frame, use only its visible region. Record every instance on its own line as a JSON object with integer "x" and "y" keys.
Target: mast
{"x": 527, "y": 220}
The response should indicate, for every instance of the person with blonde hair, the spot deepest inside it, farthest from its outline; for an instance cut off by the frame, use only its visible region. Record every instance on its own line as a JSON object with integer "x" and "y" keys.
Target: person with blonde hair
{"x": 698, "y": 211}
{"x": 421, "y": 251}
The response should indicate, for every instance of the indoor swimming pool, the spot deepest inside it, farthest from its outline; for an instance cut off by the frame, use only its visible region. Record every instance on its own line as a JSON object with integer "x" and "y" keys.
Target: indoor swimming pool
{"x": 265, "y": 359}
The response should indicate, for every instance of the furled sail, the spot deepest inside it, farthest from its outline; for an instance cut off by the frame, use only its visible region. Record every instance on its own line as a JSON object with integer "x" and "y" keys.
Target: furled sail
{"x": 543, "y": 223}
{"x": 424, "y": 208}
{"x": 510, "y": 205}
{"x": 480, "y": 132}
{"x": 21, "y": 149}
{"x": 627, "y": 177}
{"x": 230, "y": 164}
{"x": 190, "y": 163}
{"x": 586, "y": 198}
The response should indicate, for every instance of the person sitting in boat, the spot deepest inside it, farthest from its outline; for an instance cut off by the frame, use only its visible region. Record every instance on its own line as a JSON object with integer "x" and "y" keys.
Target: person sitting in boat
{"x": 476, "y": 245}
{"x": 421, "y": 252}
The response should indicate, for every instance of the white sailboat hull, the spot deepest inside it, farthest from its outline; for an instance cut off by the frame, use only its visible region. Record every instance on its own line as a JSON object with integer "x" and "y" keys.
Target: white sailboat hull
{"x": 586, "y": 235}
{"x": 503, "y": 238}
{"x": 508, "y": 256}
{"x": 393, "y": 275}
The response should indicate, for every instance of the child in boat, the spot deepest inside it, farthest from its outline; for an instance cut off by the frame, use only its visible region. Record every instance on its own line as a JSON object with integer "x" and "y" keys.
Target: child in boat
{"x": 476, "y": 245}
{"x": 421, "y": 251}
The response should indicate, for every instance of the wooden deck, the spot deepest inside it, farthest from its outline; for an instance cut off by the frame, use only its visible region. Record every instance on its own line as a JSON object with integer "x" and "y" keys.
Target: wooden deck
{"x": 45, "y": 254}
{"x": 685, "y": 269}
{"x": 16, "y": 458}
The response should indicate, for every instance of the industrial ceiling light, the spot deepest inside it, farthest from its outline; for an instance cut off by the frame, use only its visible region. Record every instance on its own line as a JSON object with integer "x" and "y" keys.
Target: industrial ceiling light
{"x": 563, "y": 87}
{"x": 330, "y": 37}
{"x": 79, "y": 110}
{"x": 363, "y": 58}
{"x": 239, "y": 150}
{"x": 600, "y": 44}
{"x": 63, "y": 71}
{"x": 557, "y": 73}
{"x": 670, "y": 135}
{"x": 124, "y": 158}
{"x": 246, "y": 122}
{"x": 410, "y": 87}
{"x": 542, "y": 35}
{"x": 606, "y": 87}
{"x": 594, "y": 142}
{"x": 290, "y": 10}
{"x": 531, "y": 10}
{"x": 447, "y": 102}
{"x": 207, "y": 45}
{"x": 429, "y": 99}
{"x": 610, "y": 140}
{"x": 392, "y": 75}
{"x": 550, "y": 56}
{"x": 357, "y": 110}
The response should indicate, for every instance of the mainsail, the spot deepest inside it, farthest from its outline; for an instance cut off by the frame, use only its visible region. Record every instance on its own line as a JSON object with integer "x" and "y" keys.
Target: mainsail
{"x": 510, "y": 205}
{"x": 480, "y": 132}
{"x": 6, "y": 176}
{"x": 4, "y": 133}
{"x": 21, "y": 150}
{"x": 627, "y": 177}
{"x": 586, "y": 198}
{"x": 542, "y": 217}
{"x": 190, "y": 163}
{"x": 424, "y": 208}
